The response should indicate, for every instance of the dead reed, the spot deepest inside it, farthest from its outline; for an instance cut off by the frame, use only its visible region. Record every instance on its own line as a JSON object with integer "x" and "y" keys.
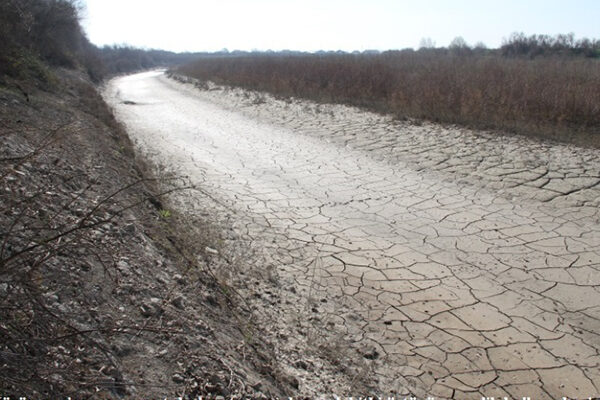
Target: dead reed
{"x": 555, "y": 96}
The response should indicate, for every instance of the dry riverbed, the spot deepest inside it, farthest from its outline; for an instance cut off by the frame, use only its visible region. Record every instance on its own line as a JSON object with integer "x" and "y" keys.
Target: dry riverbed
{"x": 386, "y": 255}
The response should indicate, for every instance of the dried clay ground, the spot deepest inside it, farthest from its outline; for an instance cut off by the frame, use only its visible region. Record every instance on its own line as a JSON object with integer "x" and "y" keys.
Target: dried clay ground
{"x": 398, "y": 257}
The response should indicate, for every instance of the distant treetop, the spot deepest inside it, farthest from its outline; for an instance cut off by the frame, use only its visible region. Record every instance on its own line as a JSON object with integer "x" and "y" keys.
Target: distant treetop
{"x": 518, "y": 44}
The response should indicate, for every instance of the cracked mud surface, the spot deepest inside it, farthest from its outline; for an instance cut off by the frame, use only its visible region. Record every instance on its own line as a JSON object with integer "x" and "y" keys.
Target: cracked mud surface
{"x": 456, "y": 264}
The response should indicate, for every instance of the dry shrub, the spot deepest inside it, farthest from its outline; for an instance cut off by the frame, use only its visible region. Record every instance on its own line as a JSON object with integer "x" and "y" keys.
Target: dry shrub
{"x": 555, "y": 97}
{"x": 38, "y": 33}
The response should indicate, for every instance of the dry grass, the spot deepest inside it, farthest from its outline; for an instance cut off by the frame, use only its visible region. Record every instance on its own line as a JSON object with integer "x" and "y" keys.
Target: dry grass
{"x": 557, "y": 97}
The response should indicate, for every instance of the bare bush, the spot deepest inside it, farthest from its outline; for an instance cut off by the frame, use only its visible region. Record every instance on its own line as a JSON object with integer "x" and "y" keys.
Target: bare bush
{"x": 39, "y": 32}
{"x": 552, "y": 97}
{"x": 545, "y": 45}
{"x": 56, "y": 242}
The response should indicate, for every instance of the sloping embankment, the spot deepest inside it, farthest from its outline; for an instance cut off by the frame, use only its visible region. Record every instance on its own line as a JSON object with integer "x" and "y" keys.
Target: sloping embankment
{"x": 105, "y": 291}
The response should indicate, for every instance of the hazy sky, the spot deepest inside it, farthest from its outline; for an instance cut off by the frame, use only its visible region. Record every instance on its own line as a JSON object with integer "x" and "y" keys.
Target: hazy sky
{"x": 210, "y": 25}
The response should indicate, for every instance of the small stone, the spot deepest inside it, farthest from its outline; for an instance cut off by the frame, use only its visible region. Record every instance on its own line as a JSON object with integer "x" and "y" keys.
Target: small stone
{"x": 146, "y": 310}
{"x": 123, "y": 267}
{"x": 210, "y": 388}
{"x": 179, "y": 302}
{"x": 210, "y": 299}
{"x": 178, "y": 378}
{"x": 52, "y": 298}
{"x": 210, "y": 250}
{"x": 3, "y": 288}
{"x": 302, "y": 364}
{"x": 370, "y": 353}
{"x": 294, "y": 382}
{"x": 152, "y": 308}
{"x": 122, "y": 350}
{"x": 129, "y": 229}
{"x": 257, "y": 385}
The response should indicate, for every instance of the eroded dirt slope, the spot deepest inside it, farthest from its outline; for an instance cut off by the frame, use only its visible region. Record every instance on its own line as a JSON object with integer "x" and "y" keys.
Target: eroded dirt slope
{"x": 105, "y": 290}
{"x": 418, "y": 259}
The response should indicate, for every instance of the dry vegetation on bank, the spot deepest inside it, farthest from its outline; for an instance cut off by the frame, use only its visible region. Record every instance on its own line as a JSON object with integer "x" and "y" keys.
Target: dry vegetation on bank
{"x": 530, "y": 86}
{"x": 38, "y": 33}
{"x": 105, "y": 290}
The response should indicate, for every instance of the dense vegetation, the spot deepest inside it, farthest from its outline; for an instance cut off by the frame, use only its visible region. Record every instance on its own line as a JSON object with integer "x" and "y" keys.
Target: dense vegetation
{"x": 537, "y": 85}
{"x": 38, "y": 33}
{"x": 544, "y": 45}
{"x": 122, "y": 59}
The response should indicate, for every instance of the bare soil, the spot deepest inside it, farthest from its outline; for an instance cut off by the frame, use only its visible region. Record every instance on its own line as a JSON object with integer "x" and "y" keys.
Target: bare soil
{"x": 106, "y": 291}
{"x": 407, "y": 259}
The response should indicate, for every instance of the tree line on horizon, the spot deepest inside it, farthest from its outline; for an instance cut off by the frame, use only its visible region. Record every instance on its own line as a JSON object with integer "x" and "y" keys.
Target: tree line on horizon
{"x": 516, "y": 45}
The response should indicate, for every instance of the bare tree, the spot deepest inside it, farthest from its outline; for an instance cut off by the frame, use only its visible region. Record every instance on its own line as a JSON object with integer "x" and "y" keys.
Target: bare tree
{"x": 426, "y": 43}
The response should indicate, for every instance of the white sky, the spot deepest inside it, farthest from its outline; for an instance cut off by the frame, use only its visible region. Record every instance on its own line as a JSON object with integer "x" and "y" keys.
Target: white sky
{"x": 310, "y": 25}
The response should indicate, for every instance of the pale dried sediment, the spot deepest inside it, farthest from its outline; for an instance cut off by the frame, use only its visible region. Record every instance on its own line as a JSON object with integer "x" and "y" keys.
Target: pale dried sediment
{"x": 458, "y": 264}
